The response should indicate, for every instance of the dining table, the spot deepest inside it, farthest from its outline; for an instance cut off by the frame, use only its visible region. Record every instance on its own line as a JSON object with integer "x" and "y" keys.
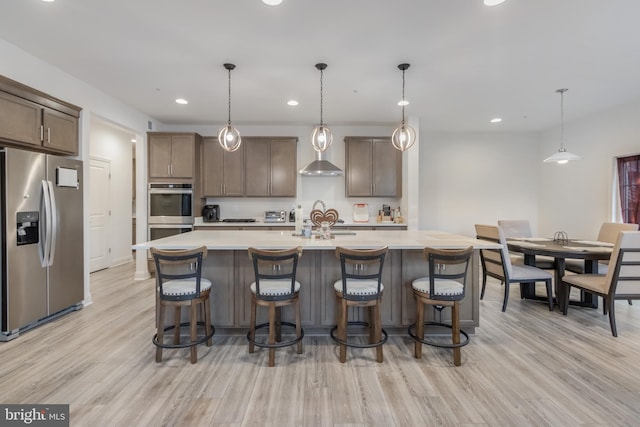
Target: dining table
{"x": 560, "y": 250}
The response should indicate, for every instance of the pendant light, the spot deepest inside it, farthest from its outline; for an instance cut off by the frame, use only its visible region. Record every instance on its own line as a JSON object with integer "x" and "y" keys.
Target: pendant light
{"x": 404, "y": 136}
{"x": 321, "y": 137}
{"x": 229, "y": 137}
{"x": 562, "y": 156}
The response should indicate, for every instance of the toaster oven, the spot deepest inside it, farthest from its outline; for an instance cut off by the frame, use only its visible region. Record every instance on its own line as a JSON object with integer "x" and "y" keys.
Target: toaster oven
{"x": 275, "y": 216}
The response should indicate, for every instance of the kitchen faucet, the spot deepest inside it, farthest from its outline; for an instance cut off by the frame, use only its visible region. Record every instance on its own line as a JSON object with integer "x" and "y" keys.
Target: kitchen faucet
{"x": 324, "y": 207}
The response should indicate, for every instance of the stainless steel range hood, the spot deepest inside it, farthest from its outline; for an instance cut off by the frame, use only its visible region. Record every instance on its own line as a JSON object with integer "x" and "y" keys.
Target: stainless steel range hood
{"x": 320, "y": 167}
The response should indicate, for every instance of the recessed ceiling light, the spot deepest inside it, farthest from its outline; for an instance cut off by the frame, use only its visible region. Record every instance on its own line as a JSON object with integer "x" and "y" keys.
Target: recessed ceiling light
{"x": 403, "y": 102}
{"x": 182, "y": 101}
{"x": 48, "y": 1}
{"x": 496, "y": 120}
{"x": 292, "y": 102}
{"x": 133, "y": 140}
{"x": 493, "y": 2}
{"x": 272, "y": 2}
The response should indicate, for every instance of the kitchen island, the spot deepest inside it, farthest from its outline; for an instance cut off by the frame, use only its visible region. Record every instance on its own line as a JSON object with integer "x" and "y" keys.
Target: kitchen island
{"x": 229, "y": 269}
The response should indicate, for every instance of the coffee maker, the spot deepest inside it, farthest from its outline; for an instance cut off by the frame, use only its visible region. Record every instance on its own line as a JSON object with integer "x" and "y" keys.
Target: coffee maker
{"x": 211, "y": 213}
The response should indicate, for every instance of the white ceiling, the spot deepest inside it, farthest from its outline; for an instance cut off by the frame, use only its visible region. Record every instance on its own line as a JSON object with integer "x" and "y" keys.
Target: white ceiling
{"x": 469, "y": 62}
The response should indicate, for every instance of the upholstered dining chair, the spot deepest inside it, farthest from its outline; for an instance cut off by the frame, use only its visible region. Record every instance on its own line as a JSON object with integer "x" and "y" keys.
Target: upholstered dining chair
{"x": 444, "y": 287}
{"x": 360, "y": 286}
{"x": 497, "y": 264}
{"x": 180, "y": 284}
{"x": 521, "y": 228}
{"x": 621, "y": 282}
{"x": 274, "y": 287}
{"x": 608, "y": 234}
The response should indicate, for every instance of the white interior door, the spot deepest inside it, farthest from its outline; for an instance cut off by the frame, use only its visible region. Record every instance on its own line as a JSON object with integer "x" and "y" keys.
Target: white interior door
{"x": 99, "y": 213}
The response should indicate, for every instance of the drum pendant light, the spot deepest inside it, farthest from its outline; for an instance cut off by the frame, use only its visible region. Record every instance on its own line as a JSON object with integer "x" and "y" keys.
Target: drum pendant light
{"x": 562, "y": 156}
{"x": 229, "y": 137}
{"x": 321, "y": 137}
{"x": 404, "y": 136}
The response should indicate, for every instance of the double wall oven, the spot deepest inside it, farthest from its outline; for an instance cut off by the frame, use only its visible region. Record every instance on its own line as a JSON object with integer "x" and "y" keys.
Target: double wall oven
{"x": 170, "y": 209}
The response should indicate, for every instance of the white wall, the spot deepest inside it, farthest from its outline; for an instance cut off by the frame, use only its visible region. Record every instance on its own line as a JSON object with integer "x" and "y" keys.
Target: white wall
{"x": 109, "y": 142}
{"x": 576, "y": 197}
{"x": 477, "y": 178}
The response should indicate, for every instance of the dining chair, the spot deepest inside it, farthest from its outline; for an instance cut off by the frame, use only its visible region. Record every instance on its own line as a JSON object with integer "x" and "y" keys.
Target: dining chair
{"x": 521, "y": 228}
{"x": 274, "y": 287}
{"x": 608, "y": 234}
{"x": 515, "y": 227}
{"x": 179, "y": 283}
{"x": 496, "y": 263}
{"x": 621, "y": 282}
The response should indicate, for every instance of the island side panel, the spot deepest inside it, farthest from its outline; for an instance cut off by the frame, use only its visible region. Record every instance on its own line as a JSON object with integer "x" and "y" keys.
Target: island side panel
{"x": 391, "y": 310}
{"x": 218, "y": 267}
{"x": 329, "y": 273}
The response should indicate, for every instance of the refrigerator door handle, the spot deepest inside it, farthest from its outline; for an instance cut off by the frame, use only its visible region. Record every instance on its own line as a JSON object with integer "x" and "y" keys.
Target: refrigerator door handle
{"x": 45, "y": 226}
{"x": 54, "y": 224}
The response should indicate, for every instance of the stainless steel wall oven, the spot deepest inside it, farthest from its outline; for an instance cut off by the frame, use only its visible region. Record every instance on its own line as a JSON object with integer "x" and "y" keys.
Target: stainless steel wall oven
{"x": 170, "y": 203}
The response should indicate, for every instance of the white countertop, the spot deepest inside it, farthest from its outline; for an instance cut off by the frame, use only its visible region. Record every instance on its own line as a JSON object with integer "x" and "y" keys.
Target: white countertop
{"x": 261, "y": 223}
{"x": 274, "y": 239}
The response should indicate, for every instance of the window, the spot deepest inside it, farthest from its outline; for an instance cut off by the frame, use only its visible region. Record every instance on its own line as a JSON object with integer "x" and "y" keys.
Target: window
{"x": 629, "y": 185}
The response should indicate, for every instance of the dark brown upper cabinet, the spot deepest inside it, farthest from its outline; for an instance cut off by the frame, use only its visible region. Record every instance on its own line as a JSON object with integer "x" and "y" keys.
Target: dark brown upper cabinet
{"x": 271, "y": 166}
{"x": 33, "y": 120}
{"x": 373, "y": 167}
{"x": 222, "y": 171}
{"x": 172, "y": 156}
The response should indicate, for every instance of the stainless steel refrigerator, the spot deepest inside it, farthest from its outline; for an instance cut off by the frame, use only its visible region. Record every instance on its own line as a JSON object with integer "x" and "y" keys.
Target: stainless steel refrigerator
{"x": 42, "y": 239}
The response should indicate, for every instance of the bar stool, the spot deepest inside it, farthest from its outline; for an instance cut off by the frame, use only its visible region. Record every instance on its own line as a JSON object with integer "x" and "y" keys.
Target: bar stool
{"x": 360, "y": 286}
{"x": 180, "y": 284}
{"x": 275, "y": 286}
{"x": 444, "y": 287}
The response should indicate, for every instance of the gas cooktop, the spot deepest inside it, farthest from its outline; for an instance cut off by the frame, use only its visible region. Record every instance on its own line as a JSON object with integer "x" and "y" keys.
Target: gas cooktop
{"x": 239, "y": 220}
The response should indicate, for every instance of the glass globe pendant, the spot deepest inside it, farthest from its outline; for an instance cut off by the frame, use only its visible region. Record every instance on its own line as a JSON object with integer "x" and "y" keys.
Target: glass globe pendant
{"x": 229, "y": 137}
{"x": 404, "y": 136}
{"x": 321, "y": 137}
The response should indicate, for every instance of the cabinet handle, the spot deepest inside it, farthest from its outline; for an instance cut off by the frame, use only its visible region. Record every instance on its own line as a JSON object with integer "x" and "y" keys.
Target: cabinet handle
{"x": 41, "y": 132}
{"x": 168, "y": 170}
{"x": 49, "y": 135}
{"x": 171, "y": 170}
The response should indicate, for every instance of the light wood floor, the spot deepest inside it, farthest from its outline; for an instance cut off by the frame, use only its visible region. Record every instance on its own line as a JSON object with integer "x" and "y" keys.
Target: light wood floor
{"x": 523, "y": 367}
